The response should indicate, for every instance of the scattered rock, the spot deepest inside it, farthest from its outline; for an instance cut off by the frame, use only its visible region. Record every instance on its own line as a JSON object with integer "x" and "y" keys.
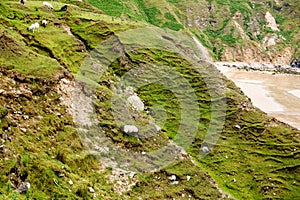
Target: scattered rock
{"x": 23, "y": 130}
{"x": 293, "y": 63}
{"x": 71, "y": 182}
{"x": 130, "y": 129}
{"x": 269, "y": 40}
{"x": 237, "y": 126}
{"x": 271, "y": 22}
{"x": 101, "y": 149}
{"x": 65, "y": 81}
{"x": 91, "y": 190}
{"x": 23, "y": 187}
{"x": 123, "y": 180}
{"x": 157, "y": 128}
{"x": 136, "y": 102}
{"x": 205, "y": 149}
{"x": 262, "y": 66}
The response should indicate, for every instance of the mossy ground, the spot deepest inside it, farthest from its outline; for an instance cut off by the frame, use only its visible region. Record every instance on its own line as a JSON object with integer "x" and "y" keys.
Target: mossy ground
{"x": 256, "y": 157}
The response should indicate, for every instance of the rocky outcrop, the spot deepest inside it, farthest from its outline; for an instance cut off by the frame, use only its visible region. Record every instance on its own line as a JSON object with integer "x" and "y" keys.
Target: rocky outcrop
{"x": 271, "y": 22}
{"x": 295, "y": 63}
{"x": 254, "y": 66}
{"x": 254, "y": 53}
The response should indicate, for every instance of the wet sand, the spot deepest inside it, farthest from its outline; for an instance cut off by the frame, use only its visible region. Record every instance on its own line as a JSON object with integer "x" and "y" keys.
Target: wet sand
{"x": 278, "y": 95}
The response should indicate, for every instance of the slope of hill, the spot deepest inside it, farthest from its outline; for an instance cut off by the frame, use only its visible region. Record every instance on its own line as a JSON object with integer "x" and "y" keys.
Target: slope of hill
{"x": 256, "y": 157}
{"x": 232, "y": 30}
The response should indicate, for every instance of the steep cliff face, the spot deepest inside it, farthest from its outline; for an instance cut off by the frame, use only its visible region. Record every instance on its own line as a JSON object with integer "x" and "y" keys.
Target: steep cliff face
{"x": 259, "y": 45}
{"x": 251, "y": 31}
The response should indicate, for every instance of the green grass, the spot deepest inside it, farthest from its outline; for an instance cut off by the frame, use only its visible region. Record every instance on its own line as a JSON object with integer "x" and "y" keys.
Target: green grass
{"x": 257, "y": 155}
{"x": 262, "y": 155}
{"x": 173, "y": 15}
{"x": 158, "y": 14}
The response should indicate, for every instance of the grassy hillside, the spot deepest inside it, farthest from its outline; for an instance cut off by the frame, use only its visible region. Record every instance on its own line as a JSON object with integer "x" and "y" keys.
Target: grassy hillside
{"x": 213, "y": 21}
{"x": 256, "y": 157}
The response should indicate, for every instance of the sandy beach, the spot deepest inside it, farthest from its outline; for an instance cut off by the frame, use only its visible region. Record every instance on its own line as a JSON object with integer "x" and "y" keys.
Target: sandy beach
{"x": 278, "y": 94}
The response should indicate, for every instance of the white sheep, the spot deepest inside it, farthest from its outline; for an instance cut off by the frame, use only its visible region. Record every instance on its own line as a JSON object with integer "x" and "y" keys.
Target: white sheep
{"x": 33, "y": 27}
{"x": 47, "y": 4}
{"x": 44, "y": 23}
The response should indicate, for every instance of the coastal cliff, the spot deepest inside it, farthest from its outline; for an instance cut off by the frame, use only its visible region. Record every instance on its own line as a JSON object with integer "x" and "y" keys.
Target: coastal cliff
{"x": 61, "y": 129}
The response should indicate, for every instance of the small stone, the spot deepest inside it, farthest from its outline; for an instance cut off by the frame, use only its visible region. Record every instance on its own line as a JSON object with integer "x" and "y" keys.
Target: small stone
{"x": 91, "y": 190}
{"x": 25, "y": 117}
{"x": 205, "y": 149}
{"x": 40, "y": 117}
{"x": 130, "y": 129}
{"x": 24, "y": 187}
{"x": 131, "y": 175}
{"x": 234, "y": 180}
{"x": 157, "y": 128}
{"x": 23, "y": 130}
{"x": 237, "y": 126}
{"x": 65, "y": 81}
{"x": 71, "y": 182}
{"x": 143, "y": 153}
{"x": 136, "y": 102}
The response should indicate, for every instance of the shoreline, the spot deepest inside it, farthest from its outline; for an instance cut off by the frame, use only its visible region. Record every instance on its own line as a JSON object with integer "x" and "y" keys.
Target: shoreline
{"x": 263, "y": 67}
{"x": 277, "y": 94}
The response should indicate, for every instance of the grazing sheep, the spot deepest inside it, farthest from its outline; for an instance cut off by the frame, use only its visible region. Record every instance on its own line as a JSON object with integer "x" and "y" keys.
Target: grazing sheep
{"x": 44, "y": 23}
{"x": 23, "y": 1}
{"x": 47, "y": 4}
{"x": 33, "y": 27}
